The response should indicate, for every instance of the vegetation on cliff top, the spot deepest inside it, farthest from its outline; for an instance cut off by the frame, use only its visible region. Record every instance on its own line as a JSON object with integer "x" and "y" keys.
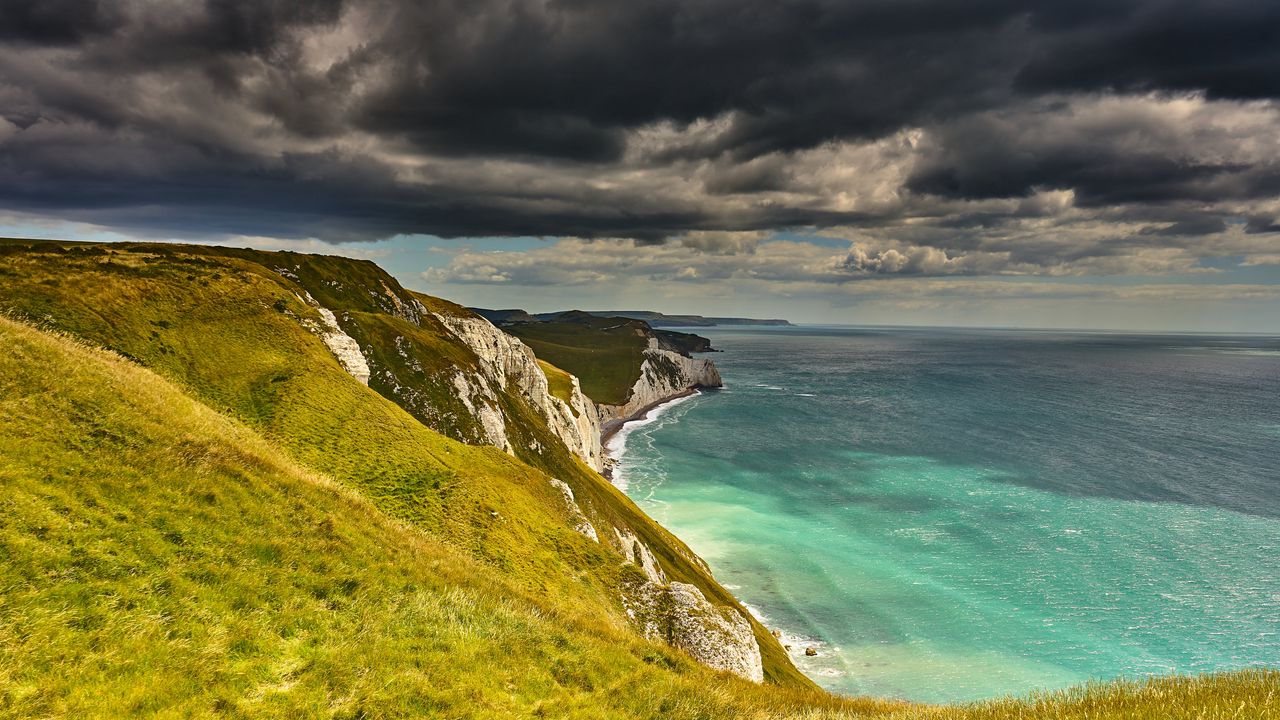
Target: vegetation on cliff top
{"x": 604, "y": 353}
{"x": 559, "y": 382}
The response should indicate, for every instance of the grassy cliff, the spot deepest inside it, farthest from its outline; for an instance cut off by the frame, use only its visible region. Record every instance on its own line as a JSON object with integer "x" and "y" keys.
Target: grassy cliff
{"x": 231, "y": 327}
{"x": 213, "y": 518}
{"x": 605, "y": 353}
{"x": 164, "y": 558}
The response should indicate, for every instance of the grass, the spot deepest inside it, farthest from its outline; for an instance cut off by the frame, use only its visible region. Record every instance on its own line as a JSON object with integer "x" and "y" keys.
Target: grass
{"x": 559, "y": 382}
{"x": 228, "y": 330}
{"x": 165, "y": 560}
{"x": 605, "y": 357}
{"x": 241, "y": 529}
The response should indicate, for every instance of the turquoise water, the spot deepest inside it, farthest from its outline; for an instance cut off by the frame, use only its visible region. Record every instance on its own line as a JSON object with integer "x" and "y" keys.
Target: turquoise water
{"x": 952, "y": 515}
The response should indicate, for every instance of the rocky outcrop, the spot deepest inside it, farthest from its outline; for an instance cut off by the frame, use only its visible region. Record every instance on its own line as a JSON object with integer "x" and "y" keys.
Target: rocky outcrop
{"x": 478, "y": 396}
{"x": 343, "y": 346}
{"x": 510, "y": 365}
{"x": 579, "y": 518}
{"x": 680, "y": 615}
{"x": 638, "y": 553}
{"x": 663, "y": 375}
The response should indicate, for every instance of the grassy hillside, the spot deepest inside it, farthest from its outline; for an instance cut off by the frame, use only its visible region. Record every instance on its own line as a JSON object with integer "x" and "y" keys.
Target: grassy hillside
{"x": 218, "y": 520}
{"x": 228, "y": 326}
{"x": 164, "y": 559}
{"x": 605, "y": 353}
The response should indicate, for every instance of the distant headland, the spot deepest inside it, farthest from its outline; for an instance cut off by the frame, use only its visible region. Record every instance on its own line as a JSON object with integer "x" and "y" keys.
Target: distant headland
{"x": 655, "y": 319}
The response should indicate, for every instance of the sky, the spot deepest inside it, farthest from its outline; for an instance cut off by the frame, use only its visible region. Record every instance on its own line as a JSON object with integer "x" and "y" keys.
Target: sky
{"x": 1090, "y": 164}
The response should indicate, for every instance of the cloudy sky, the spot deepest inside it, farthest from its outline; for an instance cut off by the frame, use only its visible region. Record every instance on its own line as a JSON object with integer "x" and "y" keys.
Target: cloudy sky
{"x": 1061, "y": 163}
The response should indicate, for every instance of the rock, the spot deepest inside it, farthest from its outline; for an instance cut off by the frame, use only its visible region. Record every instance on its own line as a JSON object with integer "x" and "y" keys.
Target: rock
{"x": 638, "y": 553}
{"x": 719, "y": 637}
{"x": 507, "y": 363}
{"x": 580, "y": 521}
{"x": 810, "y": 652}
{"x": 776, "y": 633}
{"x": 343, "y": 346}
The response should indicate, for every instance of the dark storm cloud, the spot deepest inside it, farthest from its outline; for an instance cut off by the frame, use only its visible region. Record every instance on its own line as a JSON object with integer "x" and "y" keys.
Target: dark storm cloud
{"x": 56, "y": 21}
{"x": 1108, "y": 152}
{"x": 365, "y": 118}
{"x": 1230, "y": 49}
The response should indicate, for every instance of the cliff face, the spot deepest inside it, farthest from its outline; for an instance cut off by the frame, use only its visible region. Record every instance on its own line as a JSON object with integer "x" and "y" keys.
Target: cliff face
{"x": 677, "y": 613}
{"x": 510, "y": 365}
{"x": 663, "y": 375}
{"x": 452, "y": 369}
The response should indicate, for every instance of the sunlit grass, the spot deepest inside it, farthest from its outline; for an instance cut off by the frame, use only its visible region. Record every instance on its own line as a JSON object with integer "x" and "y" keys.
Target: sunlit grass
{"x": 163, "y": 559}
{"x": 559, "y": 382}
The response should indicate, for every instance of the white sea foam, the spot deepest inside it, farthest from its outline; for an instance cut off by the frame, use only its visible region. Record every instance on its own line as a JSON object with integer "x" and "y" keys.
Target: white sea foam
{"x": 796, "y": 645}
{"x": 616, "y": 448}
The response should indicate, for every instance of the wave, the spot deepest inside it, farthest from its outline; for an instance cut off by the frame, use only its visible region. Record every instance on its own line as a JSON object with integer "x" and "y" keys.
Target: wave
{"x": 796, "y": 645}
{"x": 616, "y": 448}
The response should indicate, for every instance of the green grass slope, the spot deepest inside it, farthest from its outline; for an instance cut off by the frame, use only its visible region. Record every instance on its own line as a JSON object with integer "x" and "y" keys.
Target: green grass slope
{"x": 227, "y": 326}
{"x": 559, "y": 382}
{"x": 162, "y": 559}
{"x": 604, "y": 353}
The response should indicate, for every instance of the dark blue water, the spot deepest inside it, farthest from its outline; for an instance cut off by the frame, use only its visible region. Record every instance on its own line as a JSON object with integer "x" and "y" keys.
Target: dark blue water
{"x": 950, "y": 515}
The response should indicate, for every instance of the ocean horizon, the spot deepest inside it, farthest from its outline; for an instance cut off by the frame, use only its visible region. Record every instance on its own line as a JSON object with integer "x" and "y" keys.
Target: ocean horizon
{"x": 963, "y": 513}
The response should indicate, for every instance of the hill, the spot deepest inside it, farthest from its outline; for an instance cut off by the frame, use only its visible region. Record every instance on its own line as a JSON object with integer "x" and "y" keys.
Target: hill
{"x": 268, "y": 338}
{"x": 164, "y": 558}
{"x": 657, "y": 319}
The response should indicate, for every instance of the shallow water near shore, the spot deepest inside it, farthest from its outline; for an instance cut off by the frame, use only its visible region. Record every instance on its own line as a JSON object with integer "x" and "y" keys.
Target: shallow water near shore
{"x": 954, "y": 515}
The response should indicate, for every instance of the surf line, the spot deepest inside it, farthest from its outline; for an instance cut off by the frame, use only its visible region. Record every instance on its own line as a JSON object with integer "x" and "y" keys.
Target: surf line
{"x": 614, "y": 439}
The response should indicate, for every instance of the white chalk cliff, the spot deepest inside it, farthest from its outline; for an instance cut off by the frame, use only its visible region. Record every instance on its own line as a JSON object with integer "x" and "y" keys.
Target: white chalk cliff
{"x": 663, "y": 375}
{"x": 510, "y": 364}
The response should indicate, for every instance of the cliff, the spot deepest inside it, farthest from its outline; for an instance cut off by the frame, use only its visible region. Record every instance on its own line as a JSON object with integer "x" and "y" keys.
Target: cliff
{"x": 664, "y": 375}
{"x": 625, "y": 366}
{"x": 509, "y": 364}
{"x": 677, "y": 613}
{"x": 263, "y": 334}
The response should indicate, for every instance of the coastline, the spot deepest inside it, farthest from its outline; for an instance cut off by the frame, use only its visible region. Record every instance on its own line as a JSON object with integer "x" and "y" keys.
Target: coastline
{"x": 824, "y": 664}
{"x": 611, "y": 428}
{"x": 613, "y": 439}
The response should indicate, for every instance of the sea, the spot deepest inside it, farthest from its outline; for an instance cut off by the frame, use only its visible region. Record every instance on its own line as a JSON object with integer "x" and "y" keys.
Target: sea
{"x": 953, "y": 515}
